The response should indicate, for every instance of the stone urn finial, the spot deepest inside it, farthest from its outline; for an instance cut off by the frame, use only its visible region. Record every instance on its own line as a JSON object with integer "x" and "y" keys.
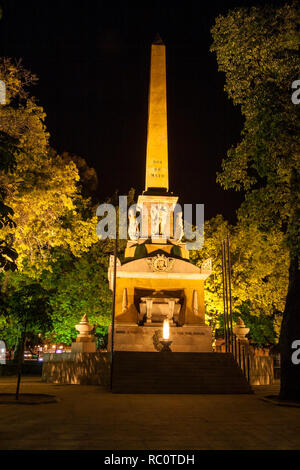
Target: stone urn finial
{"x": 85, "y": 343}
{"x": 241, "y": 330}
{"x": 84, "y": 329}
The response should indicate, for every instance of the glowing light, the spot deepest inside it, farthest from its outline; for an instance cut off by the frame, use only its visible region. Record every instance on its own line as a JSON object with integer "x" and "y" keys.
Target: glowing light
{"x": 166, "y": 329}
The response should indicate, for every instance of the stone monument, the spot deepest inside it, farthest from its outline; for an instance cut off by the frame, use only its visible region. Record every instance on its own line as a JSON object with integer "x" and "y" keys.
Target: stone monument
{"x": 157, "y": 281}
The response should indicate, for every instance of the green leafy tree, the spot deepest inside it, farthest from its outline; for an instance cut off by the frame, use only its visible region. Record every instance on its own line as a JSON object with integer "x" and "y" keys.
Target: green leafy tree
{"x": 258, "y": 50}
{"x": 43, "y": 189}
{"x": 28, "y": 308}
{"x": 79, "y": 286}
{"x": 88, "y": 176}
{"x": 8, "y": 148}
{"x": 54, "y": 228}
{"x": 259, "y": 275}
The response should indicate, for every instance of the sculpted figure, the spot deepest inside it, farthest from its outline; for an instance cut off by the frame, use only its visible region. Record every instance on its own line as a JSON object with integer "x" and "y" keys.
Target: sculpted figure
{"x": 133, "y": 226}
{"x": 164, "y": 219}
{"x": 179, "y": 227}
{"x": 154, "y": 220}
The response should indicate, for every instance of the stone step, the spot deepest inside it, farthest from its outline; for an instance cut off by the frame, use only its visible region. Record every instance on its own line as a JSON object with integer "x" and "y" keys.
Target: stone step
{"x": 175, "y": 357}
{"x": 147, "y": 372}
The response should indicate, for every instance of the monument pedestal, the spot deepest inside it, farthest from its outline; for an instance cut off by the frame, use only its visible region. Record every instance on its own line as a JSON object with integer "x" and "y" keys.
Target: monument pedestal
{"x": 186, "y": 338}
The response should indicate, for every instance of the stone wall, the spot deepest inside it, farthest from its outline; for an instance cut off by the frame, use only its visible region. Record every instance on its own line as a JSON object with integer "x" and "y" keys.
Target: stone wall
{"x": 94, "y": 369}
{"x": 261, "y": 370}
{"x": 77, "y": 368}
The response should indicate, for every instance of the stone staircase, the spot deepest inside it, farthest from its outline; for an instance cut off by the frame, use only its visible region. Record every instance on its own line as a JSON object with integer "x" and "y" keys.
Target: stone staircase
{"x": 154, "y": 372}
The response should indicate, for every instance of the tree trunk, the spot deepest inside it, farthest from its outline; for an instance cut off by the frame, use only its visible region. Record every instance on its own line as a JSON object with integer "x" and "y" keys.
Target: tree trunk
{"x": 290, "y": 331}
{"x": 20, "y": 363}
{"x": 17, "y": 350}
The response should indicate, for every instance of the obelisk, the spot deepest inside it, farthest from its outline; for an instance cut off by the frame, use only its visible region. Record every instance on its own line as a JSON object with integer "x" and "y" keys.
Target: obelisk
{"x": 156, "y": 198}
{"x": 157, "y": 135}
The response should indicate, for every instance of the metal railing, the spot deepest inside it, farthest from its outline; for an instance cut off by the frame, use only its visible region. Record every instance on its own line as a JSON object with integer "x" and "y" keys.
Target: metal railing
{"x": 241, "y": 353}
{"x": 227, "y": 304}
{"x": 239, "y": 349}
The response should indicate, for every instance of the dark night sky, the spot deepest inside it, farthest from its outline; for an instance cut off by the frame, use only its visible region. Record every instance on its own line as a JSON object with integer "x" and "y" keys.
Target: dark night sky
{"x": 92, "y": 60}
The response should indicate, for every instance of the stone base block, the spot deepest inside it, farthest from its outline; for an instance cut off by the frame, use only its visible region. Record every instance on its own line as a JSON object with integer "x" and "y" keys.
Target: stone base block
{"x": 261, "y": 370}
{"x": 84, "y": 347}
{"x": 187, "y": 338}
{"x": 77, "y": 368}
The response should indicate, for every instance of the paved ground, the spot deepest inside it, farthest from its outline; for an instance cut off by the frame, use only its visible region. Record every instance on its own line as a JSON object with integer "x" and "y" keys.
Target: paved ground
{"x": 88, "y": 417}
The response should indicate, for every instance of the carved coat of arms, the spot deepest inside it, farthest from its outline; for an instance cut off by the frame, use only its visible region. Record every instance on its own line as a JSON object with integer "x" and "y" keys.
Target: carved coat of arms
{"x": 160, "y": 263}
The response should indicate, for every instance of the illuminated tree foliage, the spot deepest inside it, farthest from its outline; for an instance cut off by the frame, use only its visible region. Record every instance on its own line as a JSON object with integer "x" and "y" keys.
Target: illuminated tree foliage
{"x": 49, "y": 210}
{"x": 25, "y": 310}
{"x": 8, "y": 255}
{"x": 74, "y": 286}
{"x": 259, "y": 269}
{"x": 49, "y": 224}
{"x": 258, "y": 50}
{"x": 79, "y": 287}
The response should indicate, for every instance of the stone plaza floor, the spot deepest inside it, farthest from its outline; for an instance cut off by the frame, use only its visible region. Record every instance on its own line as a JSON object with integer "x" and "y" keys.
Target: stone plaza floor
{"x": 90, "y": 418}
